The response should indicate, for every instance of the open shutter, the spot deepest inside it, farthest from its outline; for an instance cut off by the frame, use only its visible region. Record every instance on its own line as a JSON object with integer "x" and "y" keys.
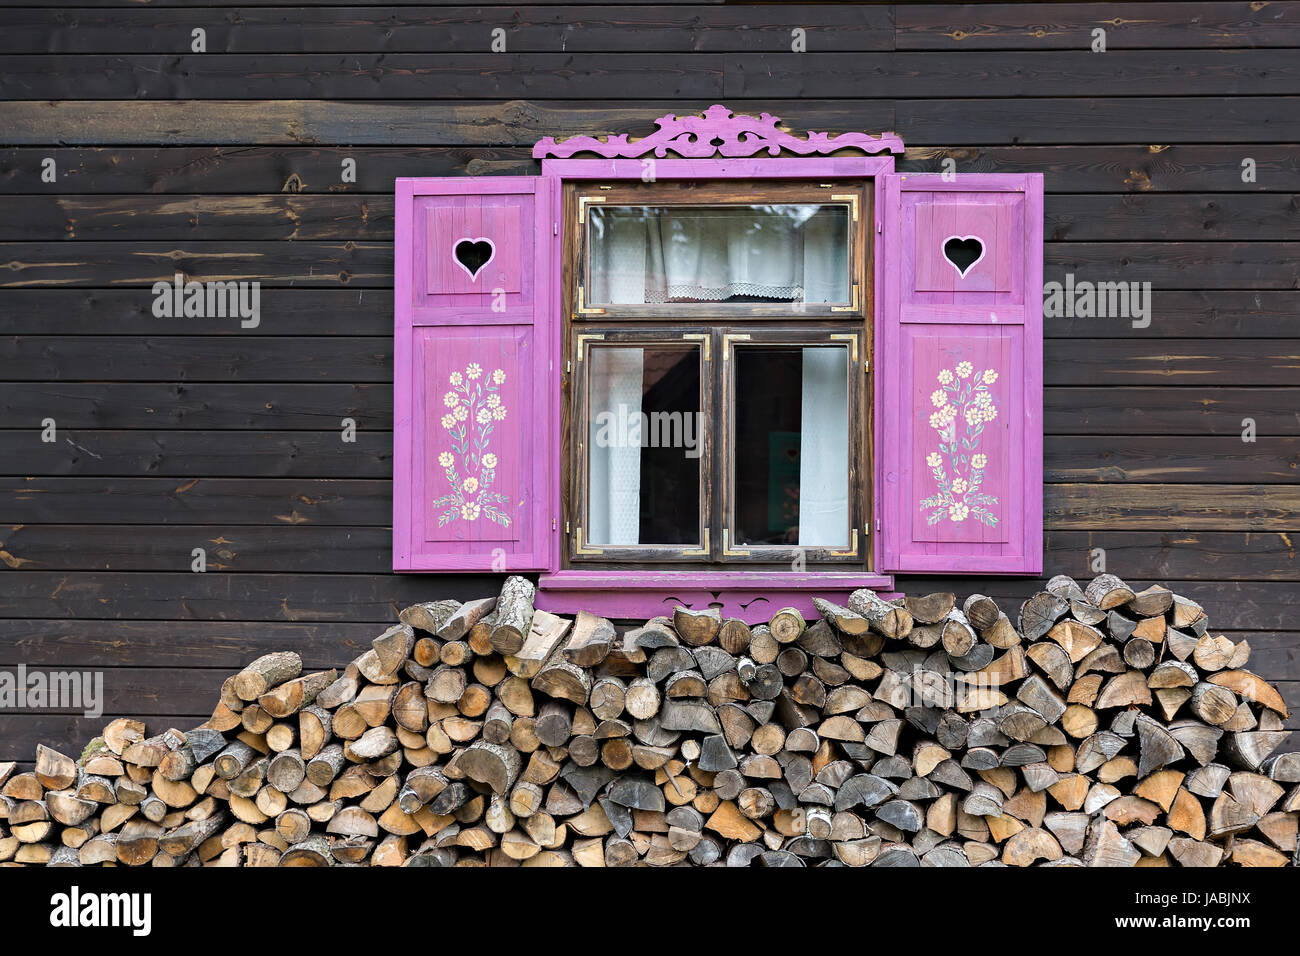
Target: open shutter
{"x": 475, "y": 401}
{"x": 960, "y": 374}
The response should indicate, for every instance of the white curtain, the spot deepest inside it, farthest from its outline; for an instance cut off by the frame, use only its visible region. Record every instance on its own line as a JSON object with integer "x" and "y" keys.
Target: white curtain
{"x": 823, "y": 449}
{"x": 614, "y": 443}
{"x": 648, "y": 255}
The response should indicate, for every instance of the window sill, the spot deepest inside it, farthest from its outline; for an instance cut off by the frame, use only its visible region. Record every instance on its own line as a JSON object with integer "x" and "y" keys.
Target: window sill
{"x": 751, "y": 596}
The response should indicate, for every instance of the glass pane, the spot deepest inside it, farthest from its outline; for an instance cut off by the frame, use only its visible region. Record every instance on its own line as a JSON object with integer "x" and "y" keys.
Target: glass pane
{"x": 786, "y": 253}
{"x": 644, "y": 445}
{"x": 791, "y": 454}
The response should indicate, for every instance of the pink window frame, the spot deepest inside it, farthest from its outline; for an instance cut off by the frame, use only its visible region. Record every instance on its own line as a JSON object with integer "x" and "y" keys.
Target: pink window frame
{"x": 636, "y": 592}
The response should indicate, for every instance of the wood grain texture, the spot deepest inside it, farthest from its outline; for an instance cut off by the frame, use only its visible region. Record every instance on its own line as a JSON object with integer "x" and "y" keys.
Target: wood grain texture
{"x": 182, "y": 433}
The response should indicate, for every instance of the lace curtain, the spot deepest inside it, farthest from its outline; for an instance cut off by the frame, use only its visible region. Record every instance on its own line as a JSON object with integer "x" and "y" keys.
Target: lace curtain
{"x": 649, "y": 255}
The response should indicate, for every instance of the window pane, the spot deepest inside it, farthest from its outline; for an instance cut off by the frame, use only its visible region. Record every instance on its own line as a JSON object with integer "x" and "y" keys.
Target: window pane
{"x": 788, "y": 252}
{"x": 644, "y": 445}
{"x": 791, "y": 454}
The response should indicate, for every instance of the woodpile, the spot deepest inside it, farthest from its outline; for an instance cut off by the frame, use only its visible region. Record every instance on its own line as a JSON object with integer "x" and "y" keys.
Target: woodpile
{"x": 1101, "y": 727}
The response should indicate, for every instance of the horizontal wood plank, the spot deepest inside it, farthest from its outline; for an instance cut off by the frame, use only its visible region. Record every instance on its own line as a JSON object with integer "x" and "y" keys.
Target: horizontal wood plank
{"x": 1157, "y": 410}
{"x": 1139, "y": 507}
{"x": 423, "y": 27}
{"x": 1176, "y": 459}
{"x": 165, "y": 644}
{"x": 1084, "y": 410}
{"x": 215, "y": 596}
{"x": 1187, "y": 362}
{"x": 216, "y": 454}
{"x": 1170, "y": 556}
{"x": 1147, "y": 120}
{"x": 324, "y": 454}
{"x": 214, "y": 501}
{"x": 1063, "y": 26}
{"x": 1175, "y": 555}
{"x": 1066, "y": 167}
{"x": 1077, "y": 217}
{"x": 1206, "y": 314}
{"x": 199, "y": 357}
{"x": 450, "y": 73}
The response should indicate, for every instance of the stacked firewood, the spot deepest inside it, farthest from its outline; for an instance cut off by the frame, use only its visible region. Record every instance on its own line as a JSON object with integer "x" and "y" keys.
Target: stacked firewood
{"x": 1102, "y": 727}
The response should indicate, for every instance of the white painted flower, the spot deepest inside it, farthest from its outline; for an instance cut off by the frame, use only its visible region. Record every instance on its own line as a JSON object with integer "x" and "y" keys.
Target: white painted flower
{"x": 989, "y": 413}
{"x": 990, "y": 376}
{"x": 473, "y": 371}
{"x": 460, "y": 413}
{"x": 959, "y": 486}
{"x": 958, "y": 512}
{"x": 483, "y": 416}
{"x": 974, "y": 415}
{"x": 945, "y": 377}
{"x": 964, "y": 369}
{"x": 498, "y": 377}
{"x": 493, "y": 400}
{"x": 470, "y": 485}
{"x": 448, "y": 421}
{"x": 489, "y": 460}
{"x": 979, "y": 462}
{"x": 499, "y": 413}
{"x": 451, "y": 399}
{"x": 939, "y": 398}
{"x": 469, "y": 511}
{"x": 455, "y": 378}
{"x": 933, "y": 459}
{"x": 936, "y": 421}
{"x": 445, "y": 459}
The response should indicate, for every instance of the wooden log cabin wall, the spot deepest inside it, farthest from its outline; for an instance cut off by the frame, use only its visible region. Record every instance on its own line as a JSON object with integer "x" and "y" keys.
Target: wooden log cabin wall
{"x": 261, "y": 143}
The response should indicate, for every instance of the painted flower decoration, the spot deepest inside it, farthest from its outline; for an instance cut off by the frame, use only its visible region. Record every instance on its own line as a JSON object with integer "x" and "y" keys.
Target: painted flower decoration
{"x": 957, "y": 468}
{"x": 476, "y": 404}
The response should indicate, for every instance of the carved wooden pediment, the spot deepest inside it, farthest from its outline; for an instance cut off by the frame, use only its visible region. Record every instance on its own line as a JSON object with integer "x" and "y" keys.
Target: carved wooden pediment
{"x": 717, "y": 133}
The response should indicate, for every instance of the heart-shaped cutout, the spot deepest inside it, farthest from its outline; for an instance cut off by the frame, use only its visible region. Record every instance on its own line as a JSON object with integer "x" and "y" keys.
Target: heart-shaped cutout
{"x": 963, "y": 252}
{"x": 473, "y": 255}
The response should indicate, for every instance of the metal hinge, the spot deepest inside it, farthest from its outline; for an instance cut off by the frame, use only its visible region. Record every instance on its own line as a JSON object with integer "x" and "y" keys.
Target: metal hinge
{"x": 553, "y": 523}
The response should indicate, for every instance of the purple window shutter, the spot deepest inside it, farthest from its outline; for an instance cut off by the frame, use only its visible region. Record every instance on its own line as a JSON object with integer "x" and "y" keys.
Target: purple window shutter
{"x": 475, "y": 444}
{"x": 961, "y": 366}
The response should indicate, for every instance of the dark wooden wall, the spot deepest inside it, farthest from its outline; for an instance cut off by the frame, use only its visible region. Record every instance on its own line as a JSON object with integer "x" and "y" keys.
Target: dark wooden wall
{"x": 183, "y": 433}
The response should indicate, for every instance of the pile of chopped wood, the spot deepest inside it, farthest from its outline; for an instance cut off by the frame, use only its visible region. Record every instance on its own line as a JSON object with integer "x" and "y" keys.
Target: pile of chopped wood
{"x": 1103, "y": 728}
